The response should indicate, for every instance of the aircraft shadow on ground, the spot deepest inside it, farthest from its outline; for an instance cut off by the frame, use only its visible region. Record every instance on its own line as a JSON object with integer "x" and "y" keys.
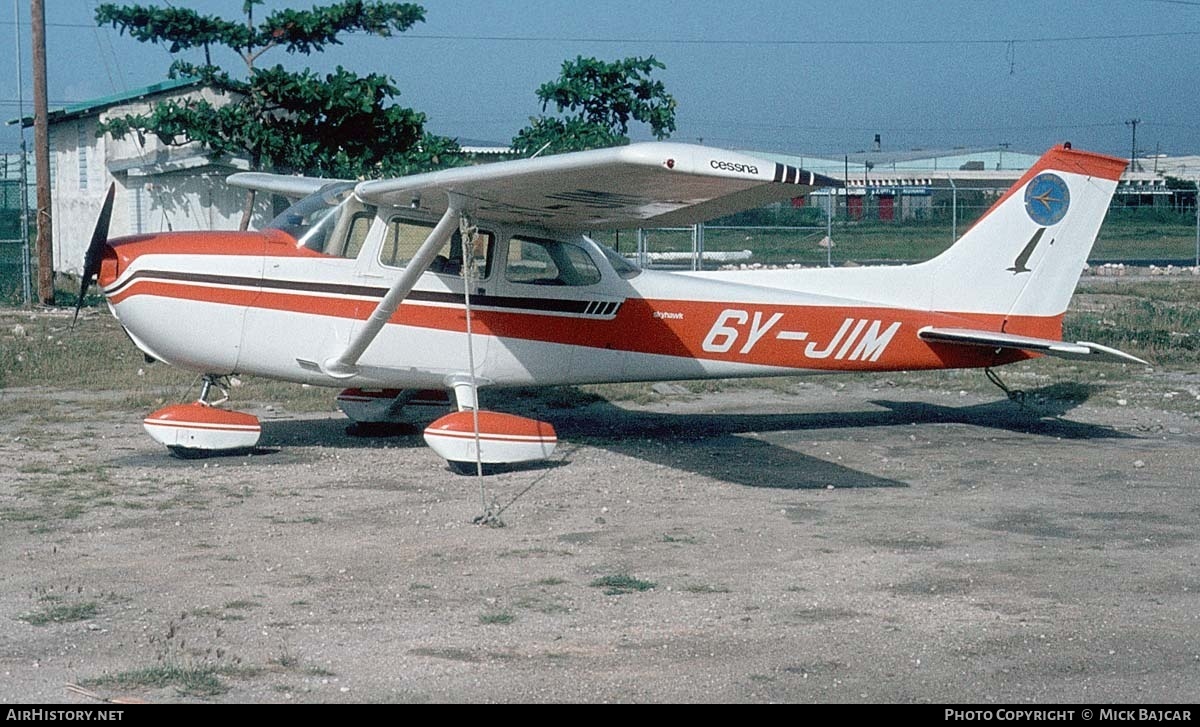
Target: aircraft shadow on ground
{"x": 1041, "y": 416}
{"x": 715, "y": 445}
{"x": 719, "y": 446}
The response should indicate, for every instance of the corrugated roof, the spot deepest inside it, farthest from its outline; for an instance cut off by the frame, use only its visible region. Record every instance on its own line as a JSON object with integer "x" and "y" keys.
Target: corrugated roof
{"x": 86, "y": 108}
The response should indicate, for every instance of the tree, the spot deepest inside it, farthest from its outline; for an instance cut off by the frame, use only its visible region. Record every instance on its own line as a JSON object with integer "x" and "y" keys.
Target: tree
{"x": 338, "y": 124}
{"x": 601, "y": 98}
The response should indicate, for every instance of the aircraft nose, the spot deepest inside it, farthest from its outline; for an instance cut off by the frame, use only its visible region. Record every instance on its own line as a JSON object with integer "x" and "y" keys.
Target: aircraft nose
{"x": 109, "y": 267}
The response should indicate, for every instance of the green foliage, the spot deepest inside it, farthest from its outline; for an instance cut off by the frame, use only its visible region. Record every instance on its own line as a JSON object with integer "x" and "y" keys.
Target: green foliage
{"x": 1157, "y": 321}
{"x": 497, "y": 618}
{"x": 1177, "y": 183}
{"x": 598, "y": 100}
{"x": 195, "y": 681}
{"x": 620, "y": 584}
{"x": 61, "y": 614}
{"x": 338, "y": 124}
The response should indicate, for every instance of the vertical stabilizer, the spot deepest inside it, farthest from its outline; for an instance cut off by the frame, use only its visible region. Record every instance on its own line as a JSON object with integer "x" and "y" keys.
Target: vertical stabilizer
{"x": 1023, "y": 258}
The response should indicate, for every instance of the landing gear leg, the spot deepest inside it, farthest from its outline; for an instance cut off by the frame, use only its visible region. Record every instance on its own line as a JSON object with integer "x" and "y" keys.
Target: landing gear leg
{"x": 209, "y": 381}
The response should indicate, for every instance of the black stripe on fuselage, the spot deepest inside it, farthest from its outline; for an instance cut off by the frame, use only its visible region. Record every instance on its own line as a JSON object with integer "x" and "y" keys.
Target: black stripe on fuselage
{"x": 540, "y": 305}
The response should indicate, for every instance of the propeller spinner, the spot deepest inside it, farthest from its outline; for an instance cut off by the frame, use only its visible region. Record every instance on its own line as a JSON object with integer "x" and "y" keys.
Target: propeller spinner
{"x": 95, "y": 251}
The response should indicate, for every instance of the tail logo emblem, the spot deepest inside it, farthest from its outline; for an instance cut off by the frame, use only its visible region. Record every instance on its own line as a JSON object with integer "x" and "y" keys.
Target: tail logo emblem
{"x": 1027, "y": 252}
{"x": 1047, "y": 199}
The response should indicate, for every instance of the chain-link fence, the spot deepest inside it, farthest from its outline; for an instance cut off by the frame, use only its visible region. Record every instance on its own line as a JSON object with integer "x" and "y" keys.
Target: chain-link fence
{"x": 896, "y": 225}
{"x": 14, "y": 270}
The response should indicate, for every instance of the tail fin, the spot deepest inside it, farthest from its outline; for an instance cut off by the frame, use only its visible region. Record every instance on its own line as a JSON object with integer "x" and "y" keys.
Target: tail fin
{"x": 1023, "y": 258}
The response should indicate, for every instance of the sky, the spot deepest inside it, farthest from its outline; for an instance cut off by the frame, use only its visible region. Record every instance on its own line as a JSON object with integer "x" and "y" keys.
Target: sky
{"x": 788, "y": 76}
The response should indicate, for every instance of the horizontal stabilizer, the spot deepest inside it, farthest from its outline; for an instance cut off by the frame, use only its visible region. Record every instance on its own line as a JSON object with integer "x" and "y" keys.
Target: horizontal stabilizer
{"x": 1080, "y": 350}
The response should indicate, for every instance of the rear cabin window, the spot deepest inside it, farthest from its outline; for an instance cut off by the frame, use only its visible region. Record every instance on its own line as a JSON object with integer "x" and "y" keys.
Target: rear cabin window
{"x": 534, "y": 261}
{"x": 404, "y": 237}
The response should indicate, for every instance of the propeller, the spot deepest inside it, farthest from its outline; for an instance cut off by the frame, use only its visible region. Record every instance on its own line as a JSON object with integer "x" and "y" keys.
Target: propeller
{"x": 95, "y": 251}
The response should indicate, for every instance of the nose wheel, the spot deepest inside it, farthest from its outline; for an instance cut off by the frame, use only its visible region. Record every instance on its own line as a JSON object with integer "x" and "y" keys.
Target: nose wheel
{"x": 201, "y": 429}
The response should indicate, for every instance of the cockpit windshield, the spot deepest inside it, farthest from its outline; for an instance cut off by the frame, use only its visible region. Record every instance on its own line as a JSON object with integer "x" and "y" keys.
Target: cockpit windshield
{"x": 623, "y": 266}
{"x": 332, "y": 221}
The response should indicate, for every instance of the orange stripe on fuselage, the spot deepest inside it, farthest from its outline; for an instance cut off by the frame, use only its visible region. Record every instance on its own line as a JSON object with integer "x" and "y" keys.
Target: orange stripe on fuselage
{"x": 813, "y": 337}
{"x": 270, "y": 242}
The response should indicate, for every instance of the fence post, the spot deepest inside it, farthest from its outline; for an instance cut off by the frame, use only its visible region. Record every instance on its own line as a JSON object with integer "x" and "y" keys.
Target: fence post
{"x": 829, "y": 199}
{"x": 953, "y": 210}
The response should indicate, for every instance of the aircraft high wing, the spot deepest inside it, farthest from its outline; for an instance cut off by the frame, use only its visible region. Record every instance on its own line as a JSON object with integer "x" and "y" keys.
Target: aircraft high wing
{"x": 640, "y": 185}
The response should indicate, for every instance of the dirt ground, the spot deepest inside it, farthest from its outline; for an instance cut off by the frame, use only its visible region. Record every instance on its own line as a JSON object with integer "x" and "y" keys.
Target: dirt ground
{"x": 843, "y": 541}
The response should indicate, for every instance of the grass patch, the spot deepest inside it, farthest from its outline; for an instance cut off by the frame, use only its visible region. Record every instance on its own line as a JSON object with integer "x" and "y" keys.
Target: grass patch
{"x": 241, "y": 605}
{"x": 306, "y": 520}
{"x": 616, "y": 585}
{"x": 62, "y": 614}
{"x": 680, "y": 539}
{"x": 20, "y": 516}
{"x": 1157, "y": 322}
{"x": 195, "y": 681}
{"x": 548, "y": 606}
{"x": 285, "y": 660}
{"x": 497, "y": 618}
{"x": 531, "y": 552}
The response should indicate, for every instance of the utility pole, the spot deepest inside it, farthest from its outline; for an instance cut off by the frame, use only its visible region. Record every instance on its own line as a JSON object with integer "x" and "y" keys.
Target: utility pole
{"x": 1132, "y": 123}
{"x": 41, "y": 153}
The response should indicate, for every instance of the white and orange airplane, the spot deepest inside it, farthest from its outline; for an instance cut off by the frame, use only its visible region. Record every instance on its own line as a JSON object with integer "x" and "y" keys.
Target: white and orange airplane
{"x": 483, "y": 276}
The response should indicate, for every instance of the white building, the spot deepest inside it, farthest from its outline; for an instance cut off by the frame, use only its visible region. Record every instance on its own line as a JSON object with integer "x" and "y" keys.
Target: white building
{"x": 159, "y": 187}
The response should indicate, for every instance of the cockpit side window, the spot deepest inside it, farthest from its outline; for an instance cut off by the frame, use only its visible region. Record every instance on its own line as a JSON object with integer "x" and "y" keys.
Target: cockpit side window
{"x": 360, "y": 225}
{"x": 403, "y": 237}
{"x": 401, "y": 240}
{"x": 534, "y": 261}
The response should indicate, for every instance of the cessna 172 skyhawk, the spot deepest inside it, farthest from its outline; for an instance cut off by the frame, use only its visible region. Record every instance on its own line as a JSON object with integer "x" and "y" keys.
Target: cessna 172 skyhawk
{"x": 483, "y": 276}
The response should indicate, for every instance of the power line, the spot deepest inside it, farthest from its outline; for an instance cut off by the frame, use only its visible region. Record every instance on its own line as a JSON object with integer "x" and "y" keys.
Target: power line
{"x": 25, "y": 24}
{"x": 799, "y": 42}
{"x": 752, "y": 42}
{"x": 724, "y": 123}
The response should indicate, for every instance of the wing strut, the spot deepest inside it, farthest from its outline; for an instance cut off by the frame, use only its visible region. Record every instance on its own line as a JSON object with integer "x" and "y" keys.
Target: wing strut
{"x": 345, "y": 364}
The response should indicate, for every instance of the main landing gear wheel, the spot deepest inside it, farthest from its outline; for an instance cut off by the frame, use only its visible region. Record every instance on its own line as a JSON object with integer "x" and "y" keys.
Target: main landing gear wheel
{"x": 502, "y": 439}
{"x": 469, "y": 468}
{"x": 200, "y": 429}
